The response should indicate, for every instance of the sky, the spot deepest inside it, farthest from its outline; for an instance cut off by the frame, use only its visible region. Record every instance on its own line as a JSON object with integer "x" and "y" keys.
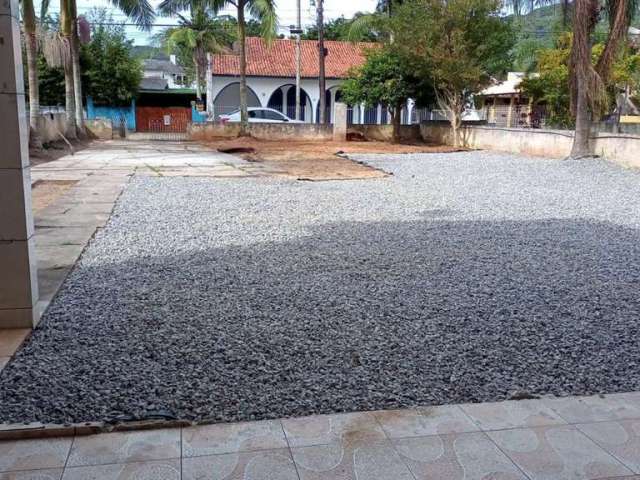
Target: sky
{"x": 286, "y": 13}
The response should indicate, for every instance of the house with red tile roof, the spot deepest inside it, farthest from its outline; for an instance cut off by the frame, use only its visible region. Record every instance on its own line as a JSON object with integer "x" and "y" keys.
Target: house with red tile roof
{"x": 271, "y": 73}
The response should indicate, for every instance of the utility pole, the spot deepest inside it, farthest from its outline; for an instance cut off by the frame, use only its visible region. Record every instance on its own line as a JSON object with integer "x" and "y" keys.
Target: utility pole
{"x": 298, "y": 58}
{"x": 321, "y": 79}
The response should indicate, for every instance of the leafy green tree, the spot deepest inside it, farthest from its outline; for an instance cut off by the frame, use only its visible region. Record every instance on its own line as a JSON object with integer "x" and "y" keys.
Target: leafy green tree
{"x": 551, "y": 87}
{"x": 339, "y": 28}
{"x": 385, "y": 78}
{"x": 50, "y": 83}
{"x": 550, "y": 84}
{"x": 588, "y": 81}
{"x": 112, "y": 72}
{"x": 458, "y": 44}
{"x": 196, "y": 36}
{"x": 264, "y": 11}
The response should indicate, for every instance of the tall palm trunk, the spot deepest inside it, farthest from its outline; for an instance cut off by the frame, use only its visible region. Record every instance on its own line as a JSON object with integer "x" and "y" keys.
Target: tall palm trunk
{"x": 244, "y": 113}
{"x": 66, "y": 29}
{"x": 77, "y": 73}
{"x": 581, "y": 147}
{"x": 588, "y": 83}
{"x": 196, "y": 64}
{"x": 29, "y": 20}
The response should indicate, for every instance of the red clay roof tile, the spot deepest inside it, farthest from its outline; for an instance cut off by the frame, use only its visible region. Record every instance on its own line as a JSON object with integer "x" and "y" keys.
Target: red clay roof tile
{"x": 278, "y": 59}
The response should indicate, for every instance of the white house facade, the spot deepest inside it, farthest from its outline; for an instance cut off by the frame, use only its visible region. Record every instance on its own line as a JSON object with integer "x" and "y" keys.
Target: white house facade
{"x": 271, "y": 73}
{"x": 164, "y": 74}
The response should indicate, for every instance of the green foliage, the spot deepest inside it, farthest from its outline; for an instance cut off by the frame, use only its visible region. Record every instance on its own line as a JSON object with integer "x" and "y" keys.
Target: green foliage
{"x": 550, "y": 85}
{"x": 458, "y": 44}
{"x": 385, "y": 78}
{"x": 111, "y": 72}
{"x": 50, "y": 83}
{"x": 339, "y": 29}
{"x": 196, "y": 36}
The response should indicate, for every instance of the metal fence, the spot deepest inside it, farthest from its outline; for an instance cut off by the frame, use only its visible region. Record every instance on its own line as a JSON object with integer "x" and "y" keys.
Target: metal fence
{"x": 516, "y": 116}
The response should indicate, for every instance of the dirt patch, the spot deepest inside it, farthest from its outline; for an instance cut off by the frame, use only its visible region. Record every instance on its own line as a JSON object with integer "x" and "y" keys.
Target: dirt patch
{"x": 45, "y": 192}
{"x": 313, "y": 160}
{"x": 54, "y": 150}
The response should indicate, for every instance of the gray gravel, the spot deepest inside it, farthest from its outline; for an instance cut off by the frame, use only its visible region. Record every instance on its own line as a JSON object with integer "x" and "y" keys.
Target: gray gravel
{"x": 461, "y": 278}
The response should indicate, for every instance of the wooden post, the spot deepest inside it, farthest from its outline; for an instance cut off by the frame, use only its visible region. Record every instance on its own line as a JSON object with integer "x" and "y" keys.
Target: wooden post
{"x": 510, "y": 112}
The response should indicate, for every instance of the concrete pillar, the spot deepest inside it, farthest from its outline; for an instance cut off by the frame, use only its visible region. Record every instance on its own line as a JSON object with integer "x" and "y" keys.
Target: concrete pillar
{"x": 411, "y": 104}
{"x": 379, "y": 115}
{"x": 18, "y": 273}
{"x": 340, "y": 122}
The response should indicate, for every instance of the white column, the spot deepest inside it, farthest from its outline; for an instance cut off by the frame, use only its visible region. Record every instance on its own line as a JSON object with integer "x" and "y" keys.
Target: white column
{"x": 361, "y": 113}
{"x": 379, "y": 115}
{"x": 285, "y": 100}
{"x": 18, "y": 277}
{"x": 410, "y": 106}
{"x": 209, "y": 83}
{"x": 332, "y": 104}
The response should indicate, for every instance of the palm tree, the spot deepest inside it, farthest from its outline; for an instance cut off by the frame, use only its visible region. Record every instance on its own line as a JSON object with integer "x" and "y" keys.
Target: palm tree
{"x": 262, "y": 10}
{"x": 75, "y": 64}
{"x": 31, "y": 42}
{"x": 588, "y": 82}
{"x": 198, "y": 35}
{"x": 65, "y": 60}
{"x": 62, "y": 49}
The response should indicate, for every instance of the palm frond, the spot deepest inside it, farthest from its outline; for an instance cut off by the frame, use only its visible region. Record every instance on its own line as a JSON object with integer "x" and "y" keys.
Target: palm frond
{"x": 365, "y": 24}
{"x": 172, "y": 7}
{"x": 265, "y": 12}
{"x": 44, "y": 9}
{"x": 56, "y": 49}
{"x": 140, "y": 11}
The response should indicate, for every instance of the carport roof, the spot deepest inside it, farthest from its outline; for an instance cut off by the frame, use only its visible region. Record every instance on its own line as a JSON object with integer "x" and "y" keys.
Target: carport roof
{"x": 278, "y": 58}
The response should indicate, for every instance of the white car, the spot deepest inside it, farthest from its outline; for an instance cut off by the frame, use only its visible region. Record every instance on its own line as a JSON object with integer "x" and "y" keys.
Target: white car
{"x": 259, "y": 115}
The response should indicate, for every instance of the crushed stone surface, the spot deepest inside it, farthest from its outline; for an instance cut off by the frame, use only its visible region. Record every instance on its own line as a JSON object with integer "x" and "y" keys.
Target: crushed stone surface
{"x": 462, "y": 277}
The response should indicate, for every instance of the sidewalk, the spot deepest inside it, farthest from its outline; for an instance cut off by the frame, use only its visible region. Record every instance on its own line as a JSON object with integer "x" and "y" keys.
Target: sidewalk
{"x": 551, "y": 439}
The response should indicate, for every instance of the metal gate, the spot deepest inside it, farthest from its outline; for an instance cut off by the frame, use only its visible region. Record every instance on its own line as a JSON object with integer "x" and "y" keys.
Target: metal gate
{"x": 163, "y": 123}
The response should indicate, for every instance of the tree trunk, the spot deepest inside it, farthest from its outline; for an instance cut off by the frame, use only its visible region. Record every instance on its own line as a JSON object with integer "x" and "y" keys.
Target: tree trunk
{"x": 581, "y": 147}
{"x": 396, "y": 119}
{"x": 198, "y": 88}
{"x": 244, "y": 114}
{"x": 70, "y": 102}
{"x": 66, "y": 28}
{"x": 35, "y": 140}
{"x": 29, "y": 21}
{"x": 77, "y": 82}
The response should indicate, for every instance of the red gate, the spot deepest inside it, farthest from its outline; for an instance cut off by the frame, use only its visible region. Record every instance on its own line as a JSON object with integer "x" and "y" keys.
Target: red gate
{"x": 162, "y": 119}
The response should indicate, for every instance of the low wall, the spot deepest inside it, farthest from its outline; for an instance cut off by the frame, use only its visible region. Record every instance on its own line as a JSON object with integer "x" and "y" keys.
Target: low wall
{"x": 50, "y": 125}
{"x": 117, "y": 115}
{"x": 100, "y": 128}
{"x": 384, "y": 133}
{"x": 617, "y": 148}
{"x": 264, "y": 131}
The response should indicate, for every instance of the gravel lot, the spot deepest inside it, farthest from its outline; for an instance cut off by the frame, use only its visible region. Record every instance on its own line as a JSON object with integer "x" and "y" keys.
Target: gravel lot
{"x": 461, "y": 278}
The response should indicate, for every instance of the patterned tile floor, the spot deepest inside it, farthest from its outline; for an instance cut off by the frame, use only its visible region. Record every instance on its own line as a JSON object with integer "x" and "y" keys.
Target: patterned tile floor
{"x": 550, "y": 439}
